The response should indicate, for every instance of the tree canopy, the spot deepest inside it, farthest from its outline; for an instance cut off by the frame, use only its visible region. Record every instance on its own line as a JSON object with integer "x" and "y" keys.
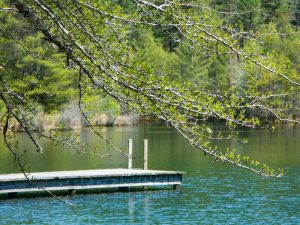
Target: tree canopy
{"x": 239, "y": 70}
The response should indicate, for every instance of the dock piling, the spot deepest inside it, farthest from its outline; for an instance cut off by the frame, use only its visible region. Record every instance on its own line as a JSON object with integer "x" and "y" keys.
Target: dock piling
{"x": 145, "y": 154}
{"x": 176, "y": 187}
{"x": 72, "y": 192}
{"x": 129, "y": 153}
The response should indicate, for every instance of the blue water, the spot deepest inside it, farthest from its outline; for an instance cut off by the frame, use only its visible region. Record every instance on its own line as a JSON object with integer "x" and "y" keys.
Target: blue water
{"x": 210, "y": 194}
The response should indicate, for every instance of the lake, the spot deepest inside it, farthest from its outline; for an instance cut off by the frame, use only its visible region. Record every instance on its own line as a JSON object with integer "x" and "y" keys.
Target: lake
{"x": 211, "y": 193}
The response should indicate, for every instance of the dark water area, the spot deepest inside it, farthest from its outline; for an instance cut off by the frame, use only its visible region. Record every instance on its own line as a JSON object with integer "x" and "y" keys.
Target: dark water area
{"x": 210, "y": 194}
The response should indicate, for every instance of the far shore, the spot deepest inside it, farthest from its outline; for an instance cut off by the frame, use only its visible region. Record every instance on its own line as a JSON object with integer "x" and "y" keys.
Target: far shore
{"x": 56, "y": 122}
{"x": 60, "y": 121}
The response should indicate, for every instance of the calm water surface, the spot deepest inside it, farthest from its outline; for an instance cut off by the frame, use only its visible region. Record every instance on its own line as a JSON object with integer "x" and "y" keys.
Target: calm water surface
{"x": 211, "y": 194}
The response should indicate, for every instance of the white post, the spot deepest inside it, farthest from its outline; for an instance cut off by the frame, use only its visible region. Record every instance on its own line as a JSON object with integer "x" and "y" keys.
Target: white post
{"x": 129, "y": 153}
{"x": 145, "y": 154}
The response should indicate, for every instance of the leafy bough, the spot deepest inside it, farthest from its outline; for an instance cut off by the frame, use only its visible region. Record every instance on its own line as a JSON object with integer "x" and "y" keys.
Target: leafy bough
{"x": 94, "y": 37}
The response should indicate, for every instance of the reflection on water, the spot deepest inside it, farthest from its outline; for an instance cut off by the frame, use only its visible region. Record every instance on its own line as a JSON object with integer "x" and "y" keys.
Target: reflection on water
{"x": 210, "y": 194}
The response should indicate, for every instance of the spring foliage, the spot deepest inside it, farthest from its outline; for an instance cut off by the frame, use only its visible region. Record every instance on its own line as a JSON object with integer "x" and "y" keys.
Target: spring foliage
{"x": 182, "y": 62}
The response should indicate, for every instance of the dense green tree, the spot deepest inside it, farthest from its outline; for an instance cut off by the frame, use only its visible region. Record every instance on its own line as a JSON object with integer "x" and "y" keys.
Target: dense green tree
{"x": 270, "y": 9}
{"x": 240, "y": 12}
{"x": 32, "y": 66}
{"x": 295, "y": 12}
{"x": 154, "y": 54}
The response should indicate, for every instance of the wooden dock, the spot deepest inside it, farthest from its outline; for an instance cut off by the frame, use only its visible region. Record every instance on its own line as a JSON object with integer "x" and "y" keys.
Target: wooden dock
{"x": 122, "y": 179}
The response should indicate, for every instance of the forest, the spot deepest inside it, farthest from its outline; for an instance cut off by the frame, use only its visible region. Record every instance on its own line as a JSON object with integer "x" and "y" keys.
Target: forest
{"x": 38, "y": 71}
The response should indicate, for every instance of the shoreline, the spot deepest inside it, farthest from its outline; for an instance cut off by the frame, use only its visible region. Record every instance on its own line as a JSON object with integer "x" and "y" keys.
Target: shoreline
{"x": 55, "y": 122}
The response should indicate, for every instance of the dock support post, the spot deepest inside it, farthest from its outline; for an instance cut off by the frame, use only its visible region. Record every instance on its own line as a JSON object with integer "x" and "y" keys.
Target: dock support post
{"x": 124, "y": 189}
{"x": 176, "y": 187}
{"x": 145, "y": 154}
{"x": 12, "y": 194}
{"x": 129, "y": 153}
{"x": 72, "y": 192}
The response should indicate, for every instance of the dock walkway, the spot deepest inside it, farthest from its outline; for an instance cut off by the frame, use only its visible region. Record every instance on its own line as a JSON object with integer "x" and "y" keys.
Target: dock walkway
{"x": 12, "y": 184}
